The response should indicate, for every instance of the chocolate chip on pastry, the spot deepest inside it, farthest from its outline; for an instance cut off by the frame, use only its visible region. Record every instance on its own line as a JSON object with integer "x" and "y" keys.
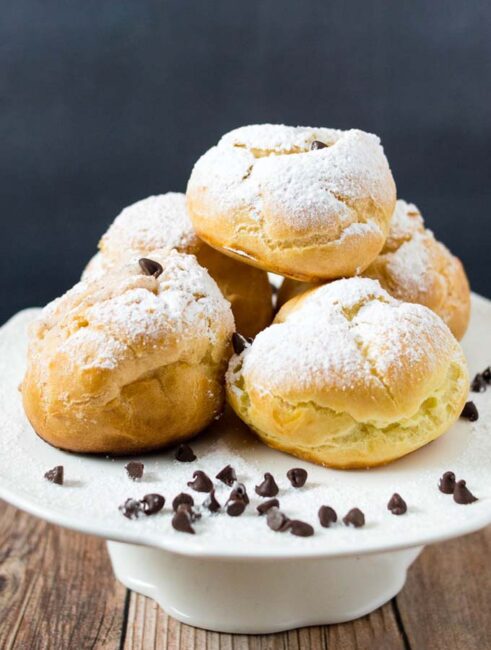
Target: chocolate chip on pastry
{"x": 184, "y": 454}
{"x": 152, "y": 503}
{"x": 235, "y": 507}
{"x": 150, "y": 267}
{"x": 239, "y": 493}
{"x": 182, "y": 499}
{"x": 277, "y": 520}
{"x": 181, "y": 520}
{"x": 263, "y": 507}
{"x": 447, "y": 483}
{"x": 240, "y": 343}
{"x": 462, "y": 494}
{"x": 300, "y": 528}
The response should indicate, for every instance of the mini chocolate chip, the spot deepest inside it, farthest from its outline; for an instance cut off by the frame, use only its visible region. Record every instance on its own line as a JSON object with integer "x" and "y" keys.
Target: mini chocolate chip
{"x": 300, "y": 528}
{"x": 397, "y": 505}
{"x": 297, "y": 477}
{"x": 235, "y": 507}
{"x": 184, "y": 454}
{"x": 277, "y": 520}
{"x": 201, "y": 482}
{"x": 55, "y": 475}
{"x": 317, "y": 144}
{"x": 470, "y": 412}
{"x": 478, "y": 384}
{"x": 266, "y": 505}
{"x": 462, "y": 494}
{"x": 486, "y": 375}
{"x": 268, "y": 487}
{"x": 181, "y": 520}
{"x": 447, "y": 483}
{"x": 355, "y": 517}
{"x": 227, "y": 475}
{"x": 150, "y": 267}
{"x": 240, "y": 343}
{"x": 131, "y": 508}
{"x": 134, "y": 469}
{"x": 327, "y": 516}
{"x": 239, "y": 493}
{"x": 182, "y": 499}
{"x": 211, "y": 503}
{"x": 152, "y": 503}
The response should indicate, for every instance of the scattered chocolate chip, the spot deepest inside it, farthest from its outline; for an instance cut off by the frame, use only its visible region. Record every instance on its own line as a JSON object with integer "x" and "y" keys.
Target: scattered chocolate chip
{"x": 355, "y": 517}
{"x": 184, "y": 454}
{"x": 211, "y": 503}
{"x": 478, "y": 384}
{"x": 239, "y": 493}
{"x": 266, "y": 505}
{"x": 240, "y": 343}
{"x": 486, "y": 375}
{"x": 131, "y": 508}
{"x": 235, "y": 507}
{"x": 181, "y": 520}
{"x": 152, "y": 503}
{"x": 150, "y": 267}
{"x": 277, "y": 521}
{"x": 462, "y": 494}
{"x": 227, "y": 475}
{"x": 134, "y": 469}
{"x": 470, "y": 412}
{"x": 268, "y": 487}
{"x": 182, "y": 499}
{"x": 447, "y": 483}
{"x": 300, "y": 528}
{"x": 327, "y": 516}
{"x": 317, "y": 144}
{"x": 297, "y": 477}
{"x": 397, "y": 505}
{"x": 201, "y": 482}
{"x": 55, "y": 475}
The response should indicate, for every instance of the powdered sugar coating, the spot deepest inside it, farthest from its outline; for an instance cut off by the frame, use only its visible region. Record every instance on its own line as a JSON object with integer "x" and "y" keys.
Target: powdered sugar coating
{"x": 102, "y": 322}
{"x": 350, "y": 337}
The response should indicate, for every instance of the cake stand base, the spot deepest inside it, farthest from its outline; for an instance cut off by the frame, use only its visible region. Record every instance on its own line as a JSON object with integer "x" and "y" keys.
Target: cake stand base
{"x": 261, "y": 595}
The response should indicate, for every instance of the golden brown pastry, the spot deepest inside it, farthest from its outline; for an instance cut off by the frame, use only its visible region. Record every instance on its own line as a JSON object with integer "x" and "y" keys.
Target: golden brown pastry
{"x": 413, "y": 266}
{"x": 348, "y": 376}
{"x": 307, "y": 203}
{"x": 130, "y": 362}
{"x": 161, "y": 223}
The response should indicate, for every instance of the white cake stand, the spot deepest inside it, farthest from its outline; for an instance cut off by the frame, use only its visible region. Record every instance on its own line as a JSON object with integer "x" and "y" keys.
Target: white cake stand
{"x": 234, "y": 574}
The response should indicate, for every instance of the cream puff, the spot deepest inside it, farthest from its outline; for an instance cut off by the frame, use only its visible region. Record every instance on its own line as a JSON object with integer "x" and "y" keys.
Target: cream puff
{"x": 130, "y": 362}
{"x": 307, "y": 203}
{"x": 347, "y": 376}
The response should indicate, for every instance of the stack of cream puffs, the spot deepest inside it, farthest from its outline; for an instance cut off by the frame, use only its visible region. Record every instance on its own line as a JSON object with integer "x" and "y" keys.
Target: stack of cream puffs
{"x": 361, "y": 364}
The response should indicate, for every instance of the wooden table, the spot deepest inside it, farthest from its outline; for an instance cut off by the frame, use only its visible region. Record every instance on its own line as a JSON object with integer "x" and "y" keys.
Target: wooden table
{"x": 57, "y": 591}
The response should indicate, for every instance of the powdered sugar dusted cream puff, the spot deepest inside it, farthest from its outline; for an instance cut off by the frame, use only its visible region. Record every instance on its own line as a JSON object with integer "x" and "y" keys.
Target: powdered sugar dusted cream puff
{"x": 131, "y": 362}
{"x": 348, "y": 376}
{"x": 413, "y": 266}
{"x": 307, "y": 203}
{"x": 161, "y": 223}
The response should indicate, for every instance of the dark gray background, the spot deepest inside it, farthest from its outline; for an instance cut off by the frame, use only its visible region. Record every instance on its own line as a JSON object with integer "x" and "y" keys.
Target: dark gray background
{"x": 105, "y": 102}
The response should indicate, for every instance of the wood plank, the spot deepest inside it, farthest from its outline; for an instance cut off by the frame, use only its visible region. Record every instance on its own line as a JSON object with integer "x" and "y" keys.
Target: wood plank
{"x": 154, "y": 629}
{"x": 447, "y": 599}
{"x": 57, "y": 589}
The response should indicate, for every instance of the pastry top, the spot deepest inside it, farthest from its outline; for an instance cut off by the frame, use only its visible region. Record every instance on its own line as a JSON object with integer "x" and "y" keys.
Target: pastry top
{"x": 156, "y": 223}
{"x": 267, "y": 177}
{"x": 110, "y": 331}
{"x": 415, "y": 267}
{"x": 350, "y": 347}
